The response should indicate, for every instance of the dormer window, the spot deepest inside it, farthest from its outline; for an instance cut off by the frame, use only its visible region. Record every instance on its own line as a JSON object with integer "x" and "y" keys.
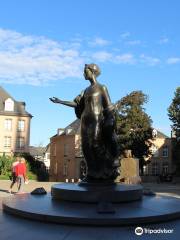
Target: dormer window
{"x": 9, "y": 105}
{"x": 68, "y": 131}
{"x": 60, "y": 131}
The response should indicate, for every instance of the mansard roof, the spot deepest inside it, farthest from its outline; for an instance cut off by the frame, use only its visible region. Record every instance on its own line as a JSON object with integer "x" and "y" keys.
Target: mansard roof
{"x": 74, "y": 127}
{"x": 161, "y": 135}
{"x": 19, "y": 107}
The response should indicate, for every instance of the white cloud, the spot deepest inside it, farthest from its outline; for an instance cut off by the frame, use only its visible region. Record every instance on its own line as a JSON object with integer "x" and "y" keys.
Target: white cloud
{"x": 102, "y": 56}
{"x": 36, "y": 60}
{"x": 173, "y": 60}
{"x": 126, "y": 58}
{"x": 152, "y": 61}
{"x": 125, "y": 35}
{"x": 98, "y": 41}
{"x": 133, "y": 42}
{"x": 163, "y": 40}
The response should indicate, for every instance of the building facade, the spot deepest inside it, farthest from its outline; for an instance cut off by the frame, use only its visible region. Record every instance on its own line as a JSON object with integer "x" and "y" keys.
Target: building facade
{"x": 46, "y": 158}
{"x": 41, "y": 154}
{"x": 67, "y": 162}
{"x": 14, "y": 125}
{"x": 66, "y": 159}
{"x": 161, "y": 160}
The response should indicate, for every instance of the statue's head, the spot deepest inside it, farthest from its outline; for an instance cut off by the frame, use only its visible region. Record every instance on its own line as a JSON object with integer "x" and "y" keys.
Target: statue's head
{"x": 91, "y": 70}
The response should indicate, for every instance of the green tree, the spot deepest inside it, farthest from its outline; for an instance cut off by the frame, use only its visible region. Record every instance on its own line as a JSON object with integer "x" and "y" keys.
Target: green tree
{"x": 37, "y": 169}
{"x": 5, "y": 164}
{"x": 134, "y": 126}
{"x": 174, "y": 116}
{"x": 174, "y": 113}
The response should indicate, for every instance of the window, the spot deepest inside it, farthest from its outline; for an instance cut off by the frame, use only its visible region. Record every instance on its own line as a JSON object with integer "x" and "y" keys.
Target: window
{"x": 21, "y": 125}
{"x": 155, "y": 151}
{"x": 66, "y": 149}
{"x": 55, "y": 168}
{"x": 165, "y": 168}
{"x": 155, "y": 169}
{"x": 145, "y": 170}
{"x": 65, "y": 169}
{"x": 20, "y": 142}
{"x": 165, "y": 151}
{"x": 54, "y": 150}
{"x": 7, "y": 141}
{"x": 9, "y": 105}
{"x": 68, "y": 131}
{"x": 60, "y": 131}
{"x": 8, "y": 124}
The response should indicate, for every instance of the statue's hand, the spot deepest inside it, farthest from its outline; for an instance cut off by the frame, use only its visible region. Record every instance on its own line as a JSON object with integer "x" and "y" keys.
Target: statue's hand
{"x": 55, "y": 100}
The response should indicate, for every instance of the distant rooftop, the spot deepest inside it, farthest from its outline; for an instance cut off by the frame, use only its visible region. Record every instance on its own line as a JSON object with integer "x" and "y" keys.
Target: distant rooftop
{"x": 159, "y": 134}
{"x": 19, "y": 107}
{"x": 37, "y": 151}
{"x": 74, "y": 128}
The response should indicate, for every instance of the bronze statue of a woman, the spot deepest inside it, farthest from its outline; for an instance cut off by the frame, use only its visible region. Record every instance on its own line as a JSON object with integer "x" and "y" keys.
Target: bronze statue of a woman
{"x": 99, "y": 142}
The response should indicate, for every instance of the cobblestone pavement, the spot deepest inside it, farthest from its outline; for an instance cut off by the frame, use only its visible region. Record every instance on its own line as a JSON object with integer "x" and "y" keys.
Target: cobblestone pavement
{"x": 14, "y": 228}
{"x": 164, "y": 188}
{"x": 4, "y": 186}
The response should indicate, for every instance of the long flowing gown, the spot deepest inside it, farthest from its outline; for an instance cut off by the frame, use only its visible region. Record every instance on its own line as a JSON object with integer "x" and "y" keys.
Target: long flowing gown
{"x": 99, "y": 142}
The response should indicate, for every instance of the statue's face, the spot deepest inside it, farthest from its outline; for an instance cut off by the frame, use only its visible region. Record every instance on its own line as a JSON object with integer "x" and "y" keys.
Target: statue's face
{"x": 87, "y": 74}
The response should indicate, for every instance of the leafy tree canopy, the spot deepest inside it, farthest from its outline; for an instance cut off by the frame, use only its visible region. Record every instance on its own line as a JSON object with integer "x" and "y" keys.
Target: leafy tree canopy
{"x": 174, "y": 116}
{"x": 174, "y": 113}
{"x": 134, "y": 125}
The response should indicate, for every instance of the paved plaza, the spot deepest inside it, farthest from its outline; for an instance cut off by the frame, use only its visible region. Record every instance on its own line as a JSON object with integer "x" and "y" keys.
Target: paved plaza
{"x": 12, "y": 227}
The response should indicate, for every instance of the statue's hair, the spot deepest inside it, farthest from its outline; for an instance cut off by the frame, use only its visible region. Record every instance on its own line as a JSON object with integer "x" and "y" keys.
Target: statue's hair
{"x": 93, "y": 68}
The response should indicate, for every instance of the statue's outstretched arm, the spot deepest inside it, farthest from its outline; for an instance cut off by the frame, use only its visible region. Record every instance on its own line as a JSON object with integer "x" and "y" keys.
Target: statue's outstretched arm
{"x": 67, "y": 103}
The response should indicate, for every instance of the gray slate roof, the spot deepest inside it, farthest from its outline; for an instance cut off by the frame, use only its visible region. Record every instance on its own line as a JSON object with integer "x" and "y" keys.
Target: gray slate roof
{"x": 36, "y": 151}
{"x": 161, "y": 135}
{"x": 19, "y": 107}
{"x": 75, "y": 126}
{"x": 75, "y": 129}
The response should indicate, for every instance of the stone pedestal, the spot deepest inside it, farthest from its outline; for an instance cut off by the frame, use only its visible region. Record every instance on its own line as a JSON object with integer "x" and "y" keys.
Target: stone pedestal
{"x": 95, "y": 193}
{"x": 129, "y": 172}
{"x": 43, "y": 208}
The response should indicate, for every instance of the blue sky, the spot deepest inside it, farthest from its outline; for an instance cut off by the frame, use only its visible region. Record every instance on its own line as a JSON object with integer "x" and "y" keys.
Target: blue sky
{"x": 44, "y": 45}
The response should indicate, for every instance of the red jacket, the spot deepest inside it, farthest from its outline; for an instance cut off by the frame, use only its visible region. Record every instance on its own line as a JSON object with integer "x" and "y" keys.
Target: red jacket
{"x": 20, "y": 169}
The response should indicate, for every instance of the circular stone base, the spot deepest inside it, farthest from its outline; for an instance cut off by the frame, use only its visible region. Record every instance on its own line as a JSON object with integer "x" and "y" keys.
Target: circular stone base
{"x": 150, "y": 209}
{"x": 86, "y": 192}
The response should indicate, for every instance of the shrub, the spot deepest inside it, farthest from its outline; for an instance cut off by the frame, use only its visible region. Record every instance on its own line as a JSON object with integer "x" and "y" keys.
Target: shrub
{"x": 5, "y": 164}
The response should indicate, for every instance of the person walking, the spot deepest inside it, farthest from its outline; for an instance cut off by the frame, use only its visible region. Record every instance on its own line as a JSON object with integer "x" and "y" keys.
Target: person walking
{"x": 14, "y": 178}
{"x": 20, "y": 171}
